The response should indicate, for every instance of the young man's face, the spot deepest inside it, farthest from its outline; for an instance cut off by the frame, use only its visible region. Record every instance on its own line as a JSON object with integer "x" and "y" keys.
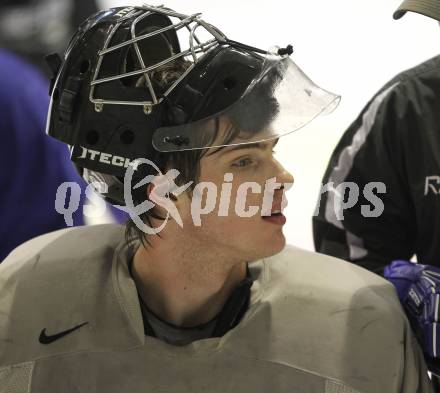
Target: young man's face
{"x": 240, "y": 230}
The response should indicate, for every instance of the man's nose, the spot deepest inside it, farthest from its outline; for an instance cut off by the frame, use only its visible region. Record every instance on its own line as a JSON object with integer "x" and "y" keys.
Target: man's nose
{"x": 283, "y": 175}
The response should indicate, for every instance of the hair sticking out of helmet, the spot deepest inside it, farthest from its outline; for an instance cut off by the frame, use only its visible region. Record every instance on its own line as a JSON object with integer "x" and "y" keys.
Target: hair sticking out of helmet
{"x": 261, "y": 97}
{"x": 164, "y": 76}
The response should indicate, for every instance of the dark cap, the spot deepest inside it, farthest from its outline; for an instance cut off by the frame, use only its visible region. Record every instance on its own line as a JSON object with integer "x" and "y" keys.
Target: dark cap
{"x": 429, "y": 8}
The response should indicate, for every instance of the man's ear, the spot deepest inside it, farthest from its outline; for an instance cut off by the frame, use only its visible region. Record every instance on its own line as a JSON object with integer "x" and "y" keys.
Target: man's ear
{"x": 173, "y": 197}
{"x": 150, "y": 189}
{"x": 164, "y": 188}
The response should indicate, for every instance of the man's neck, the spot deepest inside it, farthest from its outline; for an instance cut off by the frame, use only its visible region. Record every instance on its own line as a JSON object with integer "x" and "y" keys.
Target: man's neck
{"x": 183, "y": 287}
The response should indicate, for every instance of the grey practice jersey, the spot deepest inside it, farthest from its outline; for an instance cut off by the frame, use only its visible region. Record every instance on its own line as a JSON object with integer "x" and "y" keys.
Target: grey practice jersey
{"x": 70, "y": 321}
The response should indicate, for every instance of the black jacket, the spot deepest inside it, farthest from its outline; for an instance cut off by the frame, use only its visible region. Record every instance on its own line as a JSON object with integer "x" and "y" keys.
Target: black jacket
{"x": 395, "y": 141}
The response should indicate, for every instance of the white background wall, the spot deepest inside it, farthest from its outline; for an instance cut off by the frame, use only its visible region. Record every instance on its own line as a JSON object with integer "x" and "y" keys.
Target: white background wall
{"x": 350, "y": 47}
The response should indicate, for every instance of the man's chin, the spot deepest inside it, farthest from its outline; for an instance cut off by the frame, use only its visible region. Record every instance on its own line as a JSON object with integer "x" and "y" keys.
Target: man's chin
{"x": 275, "y": 247}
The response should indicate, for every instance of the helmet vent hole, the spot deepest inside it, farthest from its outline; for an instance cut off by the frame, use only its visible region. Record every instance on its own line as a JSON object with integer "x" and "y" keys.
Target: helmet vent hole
{"x": 127, "y": 137}
{"x": 229, "y": 83}
{"x": 92, "y": 137}
{"x": 84, "y": 67}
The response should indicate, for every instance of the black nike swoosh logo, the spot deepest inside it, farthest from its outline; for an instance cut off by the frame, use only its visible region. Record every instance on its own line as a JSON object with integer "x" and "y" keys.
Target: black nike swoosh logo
{"x": 45, "y": 339}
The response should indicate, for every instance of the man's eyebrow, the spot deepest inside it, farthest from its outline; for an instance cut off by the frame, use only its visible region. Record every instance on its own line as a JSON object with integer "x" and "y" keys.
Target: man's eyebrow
{"x": 244, "y": 146}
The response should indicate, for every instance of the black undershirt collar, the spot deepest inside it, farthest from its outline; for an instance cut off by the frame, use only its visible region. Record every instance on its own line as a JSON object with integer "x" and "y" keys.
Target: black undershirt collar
{"x": 229, "y": 317}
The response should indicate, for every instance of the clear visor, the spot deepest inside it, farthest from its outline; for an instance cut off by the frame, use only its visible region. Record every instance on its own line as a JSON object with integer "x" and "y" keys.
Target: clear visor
{"x": 280, "y": 100}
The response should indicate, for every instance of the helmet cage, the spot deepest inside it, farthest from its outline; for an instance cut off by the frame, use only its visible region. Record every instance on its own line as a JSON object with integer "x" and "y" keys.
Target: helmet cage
{"x": 196, "y": 49}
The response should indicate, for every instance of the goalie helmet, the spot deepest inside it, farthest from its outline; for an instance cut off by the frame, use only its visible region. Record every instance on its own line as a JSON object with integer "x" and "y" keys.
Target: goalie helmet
{"x": 136, "y": 81}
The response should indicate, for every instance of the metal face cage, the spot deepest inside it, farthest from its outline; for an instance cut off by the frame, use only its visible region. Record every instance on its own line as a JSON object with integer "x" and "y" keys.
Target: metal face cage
{"x": 196, "y": 48}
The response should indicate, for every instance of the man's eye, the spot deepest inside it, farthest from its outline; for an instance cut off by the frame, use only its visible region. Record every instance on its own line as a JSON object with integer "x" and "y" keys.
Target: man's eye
{"x": 242, "y": 163}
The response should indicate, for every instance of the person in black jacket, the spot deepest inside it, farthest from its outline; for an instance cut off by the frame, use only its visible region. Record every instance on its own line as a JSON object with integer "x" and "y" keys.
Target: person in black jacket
{"x": 380, "y": 201}
{"x": 391, "y": 155}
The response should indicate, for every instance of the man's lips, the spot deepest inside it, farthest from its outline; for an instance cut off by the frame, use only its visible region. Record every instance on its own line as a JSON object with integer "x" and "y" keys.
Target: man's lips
{"x": 277, "y": 207}
{"x": 278, "y": 219}
{"x": 275, "y": 215}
